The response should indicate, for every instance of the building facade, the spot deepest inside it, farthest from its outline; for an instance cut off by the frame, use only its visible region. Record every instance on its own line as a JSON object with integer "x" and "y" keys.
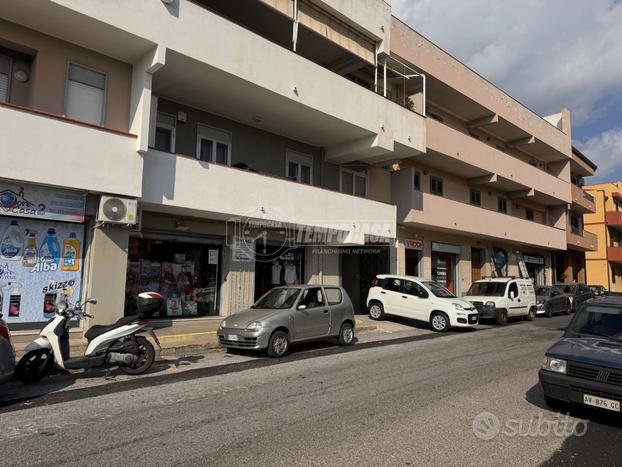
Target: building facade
{"x": 604, "y": 265}
{"x": 283, "y": 142}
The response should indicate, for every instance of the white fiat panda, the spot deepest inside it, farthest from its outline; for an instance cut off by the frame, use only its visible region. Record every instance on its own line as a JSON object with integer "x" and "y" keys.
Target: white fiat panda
{"x": 502, "y": 298}
{"x": 419, "y": 299}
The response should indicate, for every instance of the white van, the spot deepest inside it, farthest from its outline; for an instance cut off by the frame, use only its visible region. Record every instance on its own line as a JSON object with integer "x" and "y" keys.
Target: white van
{"x": 420, "y": 299}
{"x": 502, "y": 298}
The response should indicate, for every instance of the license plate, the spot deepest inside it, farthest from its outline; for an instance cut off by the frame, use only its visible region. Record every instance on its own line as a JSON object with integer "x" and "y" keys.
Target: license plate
{"x": 602, "y": 403}
{"x": 232, "y": 337}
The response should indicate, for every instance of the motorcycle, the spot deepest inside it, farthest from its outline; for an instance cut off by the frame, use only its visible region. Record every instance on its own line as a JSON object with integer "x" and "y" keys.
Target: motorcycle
{"x": 113, "y": 345}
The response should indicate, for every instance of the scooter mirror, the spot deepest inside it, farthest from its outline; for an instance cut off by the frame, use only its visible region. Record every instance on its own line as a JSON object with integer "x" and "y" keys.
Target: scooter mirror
{"x": 92, "y": 301}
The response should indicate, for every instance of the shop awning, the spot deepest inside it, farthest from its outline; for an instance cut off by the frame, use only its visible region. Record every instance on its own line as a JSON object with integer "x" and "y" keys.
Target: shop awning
{"x": 336, "y": 31}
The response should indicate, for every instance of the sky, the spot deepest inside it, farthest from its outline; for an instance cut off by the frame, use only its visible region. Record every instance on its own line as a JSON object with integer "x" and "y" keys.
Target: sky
{"x": 547, "y": 54}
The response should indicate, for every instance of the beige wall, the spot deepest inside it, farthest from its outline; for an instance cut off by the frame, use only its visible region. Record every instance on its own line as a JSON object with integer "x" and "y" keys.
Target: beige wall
{"x": 46, "y": 88}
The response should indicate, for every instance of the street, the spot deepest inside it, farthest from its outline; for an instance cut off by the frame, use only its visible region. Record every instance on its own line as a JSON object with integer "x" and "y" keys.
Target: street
{"x": 406, "y": 401}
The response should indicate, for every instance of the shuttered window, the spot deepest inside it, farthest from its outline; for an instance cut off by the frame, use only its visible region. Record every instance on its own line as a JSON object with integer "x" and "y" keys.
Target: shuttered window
{"x": 5, "y": 73}
{"x": 85, "y": 94}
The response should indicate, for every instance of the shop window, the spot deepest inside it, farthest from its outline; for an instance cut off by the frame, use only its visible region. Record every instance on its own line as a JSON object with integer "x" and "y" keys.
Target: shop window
{"x": 417, "y": 181}
{"x": 312, "y": 298}
{"x": 85, "y": 94}
{"x": 186, "y": 273}
{"x": 436, "y": 186}
{"x": 165, "y": 132}
{"x": 529, "y": 214}
{"x": 299, "y": 167}
{"x": 353, "y": 182}
{"x": 502, "y": 205}
{"x": 333, "y": 295}
{"x": 213, "y": 145}
{"x": 5, "y": 77}
{"x": 476, "y": 198}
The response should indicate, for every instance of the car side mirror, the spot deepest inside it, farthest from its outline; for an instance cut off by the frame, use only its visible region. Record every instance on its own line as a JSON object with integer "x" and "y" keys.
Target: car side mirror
{"x": 302, "y": 307}
{"x": 92, "y": 301}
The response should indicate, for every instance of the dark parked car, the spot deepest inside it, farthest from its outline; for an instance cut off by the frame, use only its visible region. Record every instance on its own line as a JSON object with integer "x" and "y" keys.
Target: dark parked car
{"x": 585, "y": 366}
{"x": 551, "y": 300}
{"x": 577, "y": 293}
{"x": 598, "y": 290}
{"x": 7, "y": 354}
{"x": 286, "y": 315}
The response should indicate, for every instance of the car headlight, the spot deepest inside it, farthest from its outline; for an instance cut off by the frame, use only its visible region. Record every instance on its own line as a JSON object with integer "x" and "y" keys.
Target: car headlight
{"x": 556, "y": 365}
{"x": 489, "y": 304}
{"x": 254, "y": 326}
{"x": 540, "y": 302}
{"x": 458, "y": 307}
{"x": 223, "y": 324}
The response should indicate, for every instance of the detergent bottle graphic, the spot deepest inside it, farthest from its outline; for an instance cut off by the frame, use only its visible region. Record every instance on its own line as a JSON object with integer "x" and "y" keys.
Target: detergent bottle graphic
{"x": 71, "y": 250}
{"x": 12, "y": 243}
{"x": 31, "y": 253}
{"x": 49, "y": 251}
{"x": 15, "y": 299}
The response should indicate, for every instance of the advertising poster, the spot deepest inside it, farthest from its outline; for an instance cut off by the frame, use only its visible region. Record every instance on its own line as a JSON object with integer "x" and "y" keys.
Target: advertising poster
{"x": 40, "y": 262}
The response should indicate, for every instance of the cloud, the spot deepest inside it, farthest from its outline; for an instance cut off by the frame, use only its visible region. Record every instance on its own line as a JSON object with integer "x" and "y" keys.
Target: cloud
{"x": 547, "y": 54}
{"x": 605, "y": 150}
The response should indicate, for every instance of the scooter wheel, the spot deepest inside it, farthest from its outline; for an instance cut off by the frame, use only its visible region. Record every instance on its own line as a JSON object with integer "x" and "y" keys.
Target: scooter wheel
{"x": 146, "y": 356}
{"x": 34, "y": 365}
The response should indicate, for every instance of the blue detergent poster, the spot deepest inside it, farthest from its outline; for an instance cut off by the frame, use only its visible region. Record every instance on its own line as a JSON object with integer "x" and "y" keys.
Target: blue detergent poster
{"x": 40, "y": 262}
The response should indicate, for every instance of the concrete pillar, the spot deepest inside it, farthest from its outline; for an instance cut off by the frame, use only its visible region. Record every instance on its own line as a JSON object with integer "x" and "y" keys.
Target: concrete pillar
{"x": 238, "y": 286}
{"x": 427, "y": 260}
{"x": 106, "y": 273}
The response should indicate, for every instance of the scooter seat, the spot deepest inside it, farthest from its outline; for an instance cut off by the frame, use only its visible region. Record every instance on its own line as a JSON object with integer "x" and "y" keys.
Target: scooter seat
{"x": 98, "y": 330}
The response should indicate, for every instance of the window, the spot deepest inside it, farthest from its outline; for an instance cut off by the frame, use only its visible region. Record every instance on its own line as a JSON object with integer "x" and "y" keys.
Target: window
{"x": 412, "y": 288}
{"x": 529, "y": 214}
{"x": 513, "y": 288}
{"x": 502, "y": 205}
{"x": 85, "y": 94}
{"x": 165, "y": 132}
{"x": 299, "y": 167}
{"x": 312, "y": 298}
{"x": 417, "y": 181}
{"x": 333, "y": 295}
{"x": 394, "y": 285}
{"x": 5, "y": 77}
{"x": 353, "y": 182}
{"x": 213, "y": 145}
{"x": 436, "y": 186}
{"x": 476, "y": 198}
{"x": 576, "y": 223}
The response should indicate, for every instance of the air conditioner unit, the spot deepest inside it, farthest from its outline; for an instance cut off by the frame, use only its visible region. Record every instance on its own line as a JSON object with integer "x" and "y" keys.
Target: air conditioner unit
{"x": 113, "y": 210}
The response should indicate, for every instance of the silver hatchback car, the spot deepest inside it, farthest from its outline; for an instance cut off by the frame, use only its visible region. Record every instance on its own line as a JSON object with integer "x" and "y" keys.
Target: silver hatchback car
{"x": 290, "y": 314}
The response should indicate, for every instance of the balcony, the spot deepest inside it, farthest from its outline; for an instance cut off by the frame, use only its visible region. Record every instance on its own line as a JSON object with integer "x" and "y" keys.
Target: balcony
{"x": 581, "y": 240}
{"x": 248, "y": 78}
{"x": 614, "y": 219}
{"x": 44, "y": 148}
{"x": 455, "y": 152}
{"x": 581, "y": 201}
{"x": 614, "y": 254}
{"x": 424, "y": 210}
{"x": 191, "y": 187}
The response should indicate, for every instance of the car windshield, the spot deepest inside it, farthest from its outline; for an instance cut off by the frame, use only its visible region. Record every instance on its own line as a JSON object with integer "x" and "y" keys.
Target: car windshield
{"x": 438, "y": 290}
{"x": 542, "y": 291}
{"x": 570, "y": 289}
{"x": 488, "y": 289}
{"x": 603, "y": 321}
{"x": 278, "y": 299}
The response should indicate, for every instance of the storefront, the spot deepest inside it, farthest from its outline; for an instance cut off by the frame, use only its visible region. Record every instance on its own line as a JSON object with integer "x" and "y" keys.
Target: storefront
{"x": 184, "y": 269}
{"x": 535, "y": 265}
{"x": 413, "y": 255}
{"x": 445, "y": 259}
{"x": 41, "y": 251}
{"x": 276, "y": 266}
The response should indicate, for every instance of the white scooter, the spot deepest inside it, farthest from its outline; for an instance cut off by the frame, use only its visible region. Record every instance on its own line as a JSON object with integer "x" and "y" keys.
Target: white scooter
{"x": 116, "y": 345}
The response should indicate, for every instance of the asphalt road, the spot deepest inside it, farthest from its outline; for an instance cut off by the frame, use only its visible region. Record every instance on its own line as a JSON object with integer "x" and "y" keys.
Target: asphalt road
{"x": 467, "y": 398}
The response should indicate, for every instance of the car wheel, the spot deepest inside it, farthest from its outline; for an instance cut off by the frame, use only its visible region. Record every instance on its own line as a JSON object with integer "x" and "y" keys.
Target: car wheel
{"x": 548, "y": 311}
{"x": 376, "y": 311}
{"x": 439, "y": 321}
{"x": 531, "y": 315}
{"x": 278, "y": 344}
{"x": 346, "y": 334}
{"x": 502, "y": 318}
{"x": 555, "y": 404}
{"x": 567, "y": 309}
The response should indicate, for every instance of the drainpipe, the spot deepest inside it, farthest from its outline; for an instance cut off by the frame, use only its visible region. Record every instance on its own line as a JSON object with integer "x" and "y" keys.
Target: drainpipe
{"x": 606, "y": 234}
{"x": 295, "y": 26}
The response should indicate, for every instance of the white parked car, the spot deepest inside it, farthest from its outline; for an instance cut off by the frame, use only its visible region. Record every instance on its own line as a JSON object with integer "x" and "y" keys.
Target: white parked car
{"x": 502, "y": 298}
{"x": 420, "y": 299}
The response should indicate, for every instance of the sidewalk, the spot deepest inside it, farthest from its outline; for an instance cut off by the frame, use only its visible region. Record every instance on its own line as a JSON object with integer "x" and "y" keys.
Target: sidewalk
{"x": 190, "y": 334}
